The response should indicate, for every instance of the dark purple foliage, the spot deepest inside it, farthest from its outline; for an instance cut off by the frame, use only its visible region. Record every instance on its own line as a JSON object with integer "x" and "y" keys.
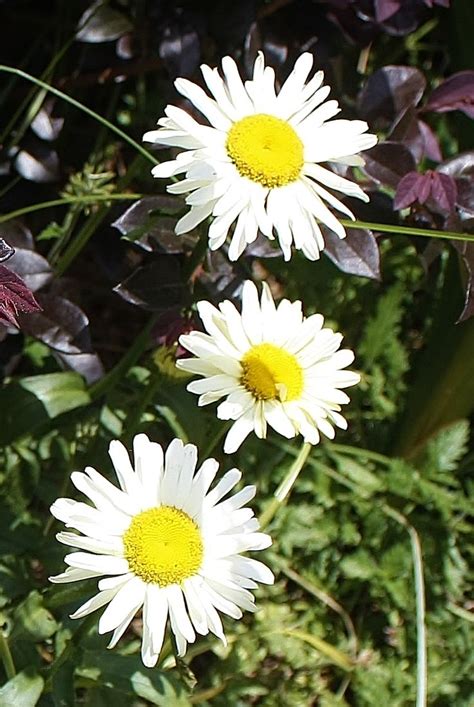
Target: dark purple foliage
{"x": 384, "y": 9}
{"x": 6, "y": 251}
{"x": 389, "y": 92}
{"x": 357, "y": 254}
{"x": 431, "y": 146}
{"x": 456, "y": 93}
{"x": 169, "y": 327}
{"x": 64, "y": 328}
{"x": 387, "y": 162}
{"x": 15, "y": 297}
{"x": 441, "y": 188}
{"x": 461, "y": 169}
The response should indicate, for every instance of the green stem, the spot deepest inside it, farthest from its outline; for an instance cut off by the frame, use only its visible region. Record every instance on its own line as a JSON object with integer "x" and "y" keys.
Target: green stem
{"x": 214, "y": 440}
{"x": 421, "y": 659}
{"x": 356, "y": 452}
{"x": 324, "y": 597}
{"x": 286, "y": 485}
{"x": 6, "y": 657}
{"x": 132, "y": 355}
{"x": 408, "y": 230}
{"x": 80, "y": 241}
{"x": 68, "y": 200}
{"x": 133, "y": 418}
{"x": 81, "y": 107}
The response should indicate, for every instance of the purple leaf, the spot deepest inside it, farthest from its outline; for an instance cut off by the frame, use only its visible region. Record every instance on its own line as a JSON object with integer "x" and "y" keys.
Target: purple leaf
{"x": 263, "y": 247}
{"x": 180, "y": 49}
{"x": 17, "y": 235}
{"x": 32, "y": 267}
{"x": 64, "y": 327}
{"x": 155, "y": 286}
{"x": 61, "y": 325}
{"x": 444, "y": 191}
{"x": 431, "y": 146}
{"x": 6, "y": 251}
{"x": 461, "y": 169}
{"x": 441, "y": 3}
{"x": 388, "y": 162}
{"x": 441, "y": 188}
{"x": 456, "y": 93}
{"x": 102, "y": 23}
{"x": 407, "y": 132}
{"x": 385, "y": 9}
{"x": 38, "y": 163}
{"x": 147, "y": 222}
{"x": 15, "y": 297}
{"x": 357, "y": 254}
{"x": 424, "y": 187}
{"x": 389, "y": 92}
{"x": 44, "y": 125}
{"x": 460, "y": 166}
{"x": 407, "y": 190}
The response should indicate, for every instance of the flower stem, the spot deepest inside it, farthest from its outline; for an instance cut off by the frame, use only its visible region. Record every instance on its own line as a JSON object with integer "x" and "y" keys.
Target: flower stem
{"x": 286, "y": 485}
{"x": 6, "y": 657}
{"x": 117, "y": 374}
{"x": 68, "y": 200}
{"x": 421, "y": 659}
{"x": 56, "y": 92}
{"x": 408, "y": 230}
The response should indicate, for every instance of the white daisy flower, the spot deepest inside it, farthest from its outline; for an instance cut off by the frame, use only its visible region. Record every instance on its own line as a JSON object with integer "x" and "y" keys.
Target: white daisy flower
{"x": 274, "y": 366}
{"x": 164, "y": 543}
{"x": 258, "y": 161}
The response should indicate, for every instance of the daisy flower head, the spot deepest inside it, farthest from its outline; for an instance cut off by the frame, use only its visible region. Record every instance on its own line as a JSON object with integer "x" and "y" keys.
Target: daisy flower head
{"x": 261, "y": 160}
{"x": 273, "y": 366}
{"x": 164, "y": 543}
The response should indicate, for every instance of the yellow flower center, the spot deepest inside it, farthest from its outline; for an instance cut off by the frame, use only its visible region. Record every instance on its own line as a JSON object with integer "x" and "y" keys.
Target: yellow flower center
{"x": 266, "y": 150}
{"x": 163, "y": 546}
{"x": 271, "y": 373}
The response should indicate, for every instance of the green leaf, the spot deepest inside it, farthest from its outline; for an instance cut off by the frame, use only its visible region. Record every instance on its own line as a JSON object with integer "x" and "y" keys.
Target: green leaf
{"x": 63, "y": 685}
{"x": 23, "y": 690}
{"x": 30, "y": 402}
{"x": 447, "y": 447}
{"x": 32, "y": 618}
{"x": 379, "y": 342}
{"x": 127, "y": 674}
{"x": 359, "y": 474}
{"x": 359, "y": 565}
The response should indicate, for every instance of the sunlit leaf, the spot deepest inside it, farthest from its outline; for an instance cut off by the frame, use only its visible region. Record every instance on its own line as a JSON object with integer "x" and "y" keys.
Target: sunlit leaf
{"x": 30, "y": 402}
{"x": 24, "y": 690}
{"x": 102, "y": 23}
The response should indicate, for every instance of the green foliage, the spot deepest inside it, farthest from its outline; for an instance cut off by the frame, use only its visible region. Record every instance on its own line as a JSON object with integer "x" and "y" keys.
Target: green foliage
{"x": 383, "y": 355}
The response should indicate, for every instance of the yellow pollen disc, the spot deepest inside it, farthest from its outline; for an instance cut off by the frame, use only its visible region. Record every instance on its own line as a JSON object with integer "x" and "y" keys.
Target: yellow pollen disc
{"x": 163, "y": 546}
{"x": 271, "y": 373}
{"x": 266, "y": 150}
